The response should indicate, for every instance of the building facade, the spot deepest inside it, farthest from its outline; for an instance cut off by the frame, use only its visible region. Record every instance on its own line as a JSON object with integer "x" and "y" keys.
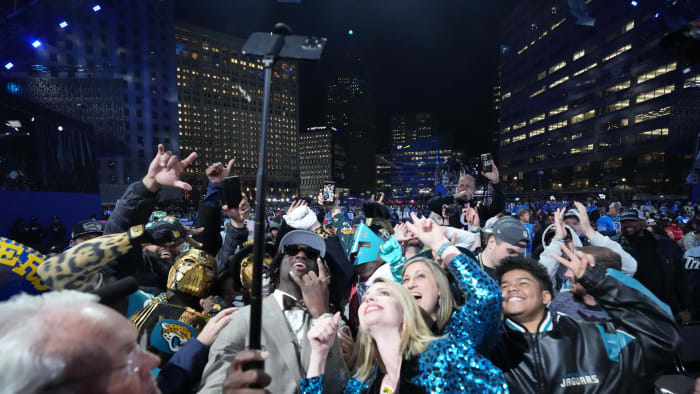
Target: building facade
{"x": 406, "y": 128}
{"x": 416, "y": 166}
{"x": 115, "y": 61}
{"x": 321, "y": 158}
{"x": 602, "y": 108}
{"x": 220, "y": 110}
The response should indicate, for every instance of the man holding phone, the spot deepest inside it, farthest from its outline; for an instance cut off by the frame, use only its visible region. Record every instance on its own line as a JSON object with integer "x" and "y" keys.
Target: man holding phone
{"x": 221, "y": 198}
{"x": 465, "y": 193}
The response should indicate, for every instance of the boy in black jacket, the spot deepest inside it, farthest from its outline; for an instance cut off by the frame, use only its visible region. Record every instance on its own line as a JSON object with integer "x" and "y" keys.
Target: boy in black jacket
{"x": 556, "y": 354}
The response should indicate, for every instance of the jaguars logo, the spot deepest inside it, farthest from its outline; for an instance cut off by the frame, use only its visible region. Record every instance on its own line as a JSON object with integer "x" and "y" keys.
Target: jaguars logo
{"x": 169, "y": 335}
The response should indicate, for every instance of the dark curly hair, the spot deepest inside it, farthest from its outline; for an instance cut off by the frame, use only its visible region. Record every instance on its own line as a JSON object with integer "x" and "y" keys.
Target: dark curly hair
{"x": 531, "y": 266}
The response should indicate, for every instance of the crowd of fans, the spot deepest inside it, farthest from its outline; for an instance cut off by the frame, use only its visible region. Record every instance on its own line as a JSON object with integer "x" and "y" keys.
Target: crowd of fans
{"x": 455, "y": 295}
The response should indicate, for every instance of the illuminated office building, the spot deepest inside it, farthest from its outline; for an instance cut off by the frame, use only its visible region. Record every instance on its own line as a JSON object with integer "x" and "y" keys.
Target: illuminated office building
{"x": 406, "y": 128}
{"x": 586, "y": 108}
{"x": 115, "y": 63}
{"x": 220, "y": 105}
{"x": 415, "y": 166}
{"x": 321, "y": 158}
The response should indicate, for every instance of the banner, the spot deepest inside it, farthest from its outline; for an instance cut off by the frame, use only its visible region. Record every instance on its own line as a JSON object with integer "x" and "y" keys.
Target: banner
{"x": 18, "y": 264}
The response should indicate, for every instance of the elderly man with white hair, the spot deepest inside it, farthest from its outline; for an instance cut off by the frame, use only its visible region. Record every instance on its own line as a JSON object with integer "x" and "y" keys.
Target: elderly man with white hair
{"x": 65, "y": 342}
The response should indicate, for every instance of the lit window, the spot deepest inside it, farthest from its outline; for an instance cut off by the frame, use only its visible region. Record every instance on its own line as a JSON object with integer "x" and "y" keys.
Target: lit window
{"x": 536, "y": 118}
{"x": 655, "y": 73}
{"x": 582, "y": 149}
{"x": 629, "y": 26}
{"x": 538, "y": 92}
{"x": 519, "y": 125}
{"x": 558, "y": 110}
{"x": 506, "y": 95}
{"x": 618, "y": 52}
{"x": 523, "y": 49}
{"x": 557, "y": 125}
{"x": 578, "y": 55}
{"x": 583, "y": 116}
{"x": 554, "y": 26}
{"x": 618, "y": 87}
{"x": 692, "y": 82}
{"x": 542, "y": 75}
{"x": 617, "y": 106}
{"x": 583, "y": 70}
{"x": 652, "y": 94}
{"x": 537, "y": 132}
{"x": 519, "y": 137}
{"x": 558, "y": 82}
{"x": 557, "y": 66}
{"x": 653, "y": 114}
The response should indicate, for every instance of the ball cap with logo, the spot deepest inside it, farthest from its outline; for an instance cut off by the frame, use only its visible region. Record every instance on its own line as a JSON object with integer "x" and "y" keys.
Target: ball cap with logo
{"x": 85, "y": 227}
{"x": 510, "y": 230}
{"x": 303, "y": 237}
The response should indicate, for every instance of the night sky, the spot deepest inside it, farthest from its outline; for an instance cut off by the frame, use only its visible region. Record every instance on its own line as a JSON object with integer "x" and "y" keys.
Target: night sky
{"x": 418, "y": 55}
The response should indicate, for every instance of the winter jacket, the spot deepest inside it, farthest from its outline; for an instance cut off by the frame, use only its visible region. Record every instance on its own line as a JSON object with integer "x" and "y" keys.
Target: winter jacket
{"x": 567, "y": 355}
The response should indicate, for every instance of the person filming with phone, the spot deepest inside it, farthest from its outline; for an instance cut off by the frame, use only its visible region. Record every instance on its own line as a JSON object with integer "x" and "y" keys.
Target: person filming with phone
{"x": 465, "y": 194}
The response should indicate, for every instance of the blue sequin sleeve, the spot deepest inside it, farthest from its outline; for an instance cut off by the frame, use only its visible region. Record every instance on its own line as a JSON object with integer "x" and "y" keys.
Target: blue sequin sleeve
{"x": 450, "y": 365}
{"x": 477, "y": 322}
{"x": 315, "y": 386}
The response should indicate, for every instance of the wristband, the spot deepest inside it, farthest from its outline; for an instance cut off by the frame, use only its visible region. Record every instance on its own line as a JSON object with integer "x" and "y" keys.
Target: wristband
{"x": 444, "y": 246}
{"x": 475, "y": 230}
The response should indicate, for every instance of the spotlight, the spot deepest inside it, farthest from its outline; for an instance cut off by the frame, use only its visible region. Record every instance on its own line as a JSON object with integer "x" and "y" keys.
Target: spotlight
{"x": 656, "y": 15}
{"x": 36, "y": 43}
{"x": 9, "y": 65}
{"x": 96, "y": 8}
{"x": 60, "y": 128}
{"x": 634, "y": 3}
{"x": 350, "y": 32}
{"x": 62, "y": 24}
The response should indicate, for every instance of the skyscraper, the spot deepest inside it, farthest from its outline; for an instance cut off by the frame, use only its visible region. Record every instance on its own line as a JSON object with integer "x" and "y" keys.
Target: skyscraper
{"x": 115, "y": 61}
{"x": 321, "y": 158}
{"x": 220, "y": 109}
{"x": 408, "y": 127}
{"x": 350, "y": 109}
{"x": 586, "y": 108}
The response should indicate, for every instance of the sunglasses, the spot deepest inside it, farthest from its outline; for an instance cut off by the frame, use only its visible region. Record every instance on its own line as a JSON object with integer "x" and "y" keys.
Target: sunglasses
{"x": 293, "y": 250}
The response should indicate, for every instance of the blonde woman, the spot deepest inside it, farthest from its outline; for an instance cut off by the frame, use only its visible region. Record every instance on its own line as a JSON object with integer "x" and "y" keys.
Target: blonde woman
{"x": 477, "y": 321}
{"x": 397, "y": 353}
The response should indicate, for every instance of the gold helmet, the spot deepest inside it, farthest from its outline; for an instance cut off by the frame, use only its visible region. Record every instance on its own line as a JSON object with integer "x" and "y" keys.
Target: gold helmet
{"x": 193, "y": 273}
{"x": 244, "y": 261}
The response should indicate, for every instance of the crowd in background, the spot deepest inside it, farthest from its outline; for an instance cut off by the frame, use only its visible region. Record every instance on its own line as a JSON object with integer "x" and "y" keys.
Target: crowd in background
{"x": 452, "y": 294}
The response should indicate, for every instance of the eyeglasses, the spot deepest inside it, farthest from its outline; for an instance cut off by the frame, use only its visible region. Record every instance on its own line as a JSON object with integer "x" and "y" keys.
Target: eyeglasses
{"x": 293, "y": 250}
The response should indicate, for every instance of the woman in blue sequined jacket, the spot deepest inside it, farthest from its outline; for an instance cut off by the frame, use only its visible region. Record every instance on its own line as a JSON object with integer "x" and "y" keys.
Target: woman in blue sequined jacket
{"x": 396, "y": 350}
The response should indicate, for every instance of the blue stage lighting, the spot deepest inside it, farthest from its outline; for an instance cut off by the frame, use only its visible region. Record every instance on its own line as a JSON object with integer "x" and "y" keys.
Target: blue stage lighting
{"x": 62, "y": 24}
{"x": 634, "y": 3}
{"x": 96, "y": 8}
{"x": 9, "y": 65}
{"x": 36, "y": 43}
{"x": 350, "y": 32}
{"x": 656, "y": 15}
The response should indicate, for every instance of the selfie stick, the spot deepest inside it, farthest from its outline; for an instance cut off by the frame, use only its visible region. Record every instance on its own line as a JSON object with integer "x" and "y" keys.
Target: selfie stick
{"x": 279, "y": 44}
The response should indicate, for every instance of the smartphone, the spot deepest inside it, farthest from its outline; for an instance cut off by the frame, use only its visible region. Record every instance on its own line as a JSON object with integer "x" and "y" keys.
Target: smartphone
{"x": 328, "y": 192}
{"x": 232, "y": 191}
{"x": 486, "y": 162}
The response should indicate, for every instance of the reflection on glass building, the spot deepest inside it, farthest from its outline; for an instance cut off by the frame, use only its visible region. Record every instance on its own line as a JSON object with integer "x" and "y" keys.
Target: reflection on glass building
{"x": 584, "y": 108}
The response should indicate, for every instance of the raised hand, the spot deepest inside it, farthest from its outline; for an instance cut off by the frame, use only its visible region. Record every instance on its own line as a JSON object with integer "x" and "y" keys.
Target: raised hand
{"x": 427, "y": 231}
{"x": 577, "y": 263}
{"x": 381, "y": 198}
{"x": 493, "y": 175}
{"x": 401, "y": 233}
{"x": 296, "y": 204}
{"x": 559, "y": 226}
{"x": 217, "y": 172}
{"x": 582, "y": 214}
{"x": 322, "y": 334}
{"x": 165, "y": 170}
{"x": 472, "y": 216}
{"x": 314, "y": 288}
{"x": 214, "y": 326}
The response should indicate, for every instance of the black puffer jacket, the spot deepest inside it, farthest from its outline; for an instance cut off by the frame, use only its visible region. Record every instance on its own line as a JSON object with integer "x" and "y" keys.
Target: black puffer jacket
{"x": 572, "y": 356}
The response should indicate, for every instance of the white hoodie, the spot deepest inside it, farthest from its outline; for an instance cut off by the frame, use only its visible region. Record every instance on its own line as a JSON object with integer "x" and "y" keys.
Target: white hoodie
{"x": 629, "y": 264}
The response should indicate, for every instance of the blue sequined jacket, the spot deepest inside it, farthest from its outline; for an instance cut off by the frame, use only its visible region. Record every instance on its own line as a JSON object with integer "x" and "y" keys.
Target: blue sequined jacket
{"x": 451, "y": 363}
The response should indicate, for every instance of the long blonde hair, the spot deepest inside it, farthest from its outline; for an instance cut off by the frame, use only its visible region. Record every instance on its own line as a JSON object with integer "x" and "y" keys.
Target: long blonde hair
{"x": 446, "y": 302}
{"x": 415, "y": 334}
